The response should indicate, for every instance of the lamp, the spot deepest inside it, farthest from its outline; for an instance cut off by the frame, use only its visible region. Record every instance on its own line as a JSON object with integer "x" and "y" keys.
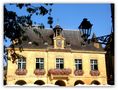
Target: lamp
{"x": 85, "y": 29}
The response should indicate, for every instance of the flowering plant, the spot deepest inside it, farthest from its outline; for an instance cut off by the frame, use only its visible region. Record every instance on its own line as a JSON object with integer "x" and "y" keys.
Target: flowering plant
{"x": 39, "y": 71}
{"x": 21, "y": 71}
{"x": 65, "y": 71}
{"x": 78, "y": 72}
{"x": 94, "y": 73}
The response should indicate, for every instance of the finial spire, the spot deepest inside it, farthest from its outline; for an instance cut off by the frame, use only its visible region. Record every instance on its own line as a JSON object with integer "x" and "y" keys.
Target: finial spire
{"x": 57, "y": 21}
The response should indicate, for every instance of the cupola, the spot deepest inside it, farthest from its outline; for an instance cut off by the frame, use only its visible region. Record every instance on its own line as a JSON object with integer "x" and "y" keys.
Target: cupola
{"x": 57, "y": 30}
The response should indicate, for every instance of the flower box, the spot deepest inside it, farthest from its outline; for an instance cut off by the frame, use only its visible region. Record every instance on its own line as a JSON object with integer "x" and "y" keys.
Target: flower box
{"x": 39, "y": 71}
{"x": 78, "y": 72}
{"x": 94, "y": 73}
{"x": 21, "y": 72}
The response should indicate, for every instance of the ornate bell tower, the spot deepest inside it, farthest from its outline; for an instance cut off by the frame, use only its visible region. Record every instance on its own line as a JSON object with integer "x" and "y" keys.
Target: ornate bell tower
{"x": 58, "y": 38}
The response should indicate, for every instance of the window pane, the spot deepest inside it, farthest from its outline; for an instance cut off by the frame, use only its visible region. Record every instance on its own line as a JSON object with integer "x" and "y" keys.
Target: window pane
{"x": 78, "y": 64}
{"x": 95, "y": 67}
{"x": 57, "y": 60}
{"x": 91, "y": 61}
{"x": 80, "y": 61}
{"x": 59, "y": 63}
{"x": 41, "y": 60}
{"x": 57, "y": 66}
{"x": 23, "y": 60}
{"x": 37, "y": 60}
{"x": 41, "y": 66}
{"x": 24, "y": 66}
{"x": 19, "y": 60}
{"x": 95, "y": 61}
{"x": 21, "y": 63}
{"x": 19, "y": 66}
{"x": 94, "y": 64}
{"x": 92, "y": 67}
{"x": 61, "y": 66}
{"x": 37, "y": 65}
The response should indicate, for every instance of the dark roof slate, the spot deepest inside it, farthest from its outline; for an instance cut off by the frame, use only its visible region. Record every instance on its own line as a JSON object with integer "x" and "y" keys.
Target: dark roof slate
{"x": 46, "y": 35}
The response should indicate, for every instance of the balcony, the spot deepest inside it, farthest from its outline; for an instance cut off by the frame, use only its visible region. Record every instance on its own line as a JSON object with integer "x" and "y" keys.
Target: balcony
{"x": 21, "y": 72}
{"x": 39, "y": 71}
{"x": 59, "y": 73}
{"x": 94, "y": 73}
{"x": 78, "y": 72}
{"x": 65, "y": 71}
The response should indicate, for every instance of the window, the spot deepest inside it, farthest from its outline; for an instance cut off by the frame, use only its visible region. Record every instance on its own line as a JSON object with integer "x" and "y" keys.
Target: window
{"x": 78, "y": 64}
{"x": 21, "y": 63}
{"x": 39, "y": 63}
{"x": 94, "y": 64}
{"x": 59, "y": 63}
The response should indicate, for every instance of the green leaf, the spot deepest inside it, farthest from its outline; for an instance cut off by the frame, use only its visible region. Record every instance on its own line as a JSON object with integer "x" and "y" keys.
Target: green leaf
{"x": 30, "y": 10}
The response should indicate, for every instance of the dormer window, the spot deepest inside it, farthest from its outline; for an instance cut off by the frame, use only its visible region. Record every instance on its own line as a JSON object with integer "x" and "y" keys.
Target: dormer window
{"x": 29, "y": 42}
{"x": 45, "y": 43}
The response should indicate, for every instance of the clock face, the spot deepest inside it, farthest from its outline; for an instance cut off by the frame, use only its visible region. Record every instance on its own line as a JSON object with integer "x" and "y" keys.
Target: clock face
{"x": 59, "y": 43}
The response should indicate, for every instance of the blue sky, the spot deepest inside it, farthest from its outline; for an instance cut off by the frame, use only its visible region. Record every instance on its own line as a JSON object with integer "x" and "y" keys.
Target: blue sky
{"x": 70, "y": 16}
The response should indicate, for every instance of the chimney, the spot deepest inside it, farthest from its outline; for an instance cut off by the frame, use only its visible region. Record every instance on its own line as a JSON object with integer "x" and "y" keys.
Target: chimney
{"x": 95, "y": 41}
{"x": 95, "y": 44}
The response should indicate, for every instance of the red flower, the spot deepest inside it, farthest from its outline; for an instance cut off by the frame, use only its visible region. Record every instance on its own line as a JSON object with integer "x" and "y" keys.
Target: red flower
{"x": 21, "y": 71}
{"x": 39, "y": 71}
{"x": 94, "y": 73}
{"x": 78, "y": 72}
{"x": 59, "y": 71}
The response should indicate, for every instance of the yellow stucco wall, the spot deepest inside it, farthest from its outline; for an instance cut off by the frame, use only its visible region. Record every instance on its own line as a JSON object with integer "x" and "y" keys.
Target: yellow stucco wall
{"x": 50, "y": 63}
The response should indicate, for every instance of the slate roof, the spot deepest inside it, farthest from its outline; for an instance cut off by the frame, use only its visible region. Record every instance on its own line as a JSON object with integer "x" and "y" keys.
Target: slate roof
{"x": 46, "y": 36}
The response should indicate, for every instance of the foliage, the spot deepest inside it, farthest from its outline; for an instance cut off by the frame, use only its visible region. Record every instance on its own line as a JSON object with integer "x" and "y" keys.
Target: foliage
{"x": 13, "y": 23}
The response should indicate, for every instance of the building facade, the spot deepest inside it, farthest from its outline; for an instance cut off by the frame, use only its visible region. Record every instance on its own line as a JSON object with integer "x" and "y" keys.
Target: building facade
{"x": 59, "y": 57}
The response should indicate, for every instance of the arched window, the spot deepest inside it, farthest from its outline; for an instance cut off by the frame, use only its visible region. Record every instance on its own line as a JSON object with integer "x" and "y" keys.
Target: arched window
{"x": 78, "y": 82}
{"x": 95, "y": 82}
{"x": 39, "y": 82}
{"x": 20, "y": 82}
{"x": 60, "y": 83}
